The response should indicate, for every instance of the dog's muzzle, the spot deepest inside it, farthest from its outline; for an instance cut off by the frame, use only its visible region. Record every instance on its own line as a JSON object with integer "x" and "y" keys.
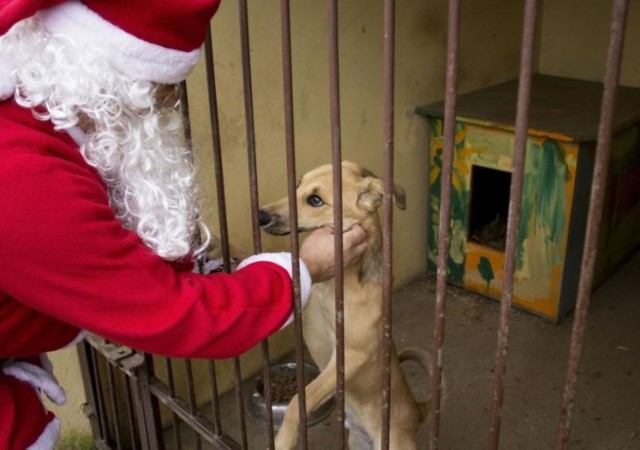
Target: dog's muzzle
{"x": 264, "y": 217}
{"x": 273, "y": 223}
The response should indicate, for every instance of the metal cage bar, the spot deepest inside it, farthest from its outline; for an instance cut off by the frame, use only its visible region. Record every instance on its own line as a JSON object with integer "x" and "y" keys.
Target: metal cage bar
{"x": 336, "y": 152}
{"x": 594, "y": 218}
{"x": 287, "y": 77}
{"x": 387, "y": 214}
{"x": 253, "y": 188}
{"x": 513, "y": 222}
{"x": 453, "y": 32}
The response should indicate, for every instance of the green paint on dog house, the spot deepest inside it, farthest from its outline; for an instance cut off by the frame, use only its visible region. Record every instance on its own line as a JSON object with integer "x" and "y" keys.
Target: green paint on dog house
{"x": 556, "y": 187}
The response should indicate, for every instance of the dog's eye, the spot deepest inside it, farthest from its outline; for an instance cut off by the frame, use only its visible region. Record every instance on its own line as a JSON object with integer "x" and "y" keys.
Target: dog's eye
{"x": 315, "y": 201}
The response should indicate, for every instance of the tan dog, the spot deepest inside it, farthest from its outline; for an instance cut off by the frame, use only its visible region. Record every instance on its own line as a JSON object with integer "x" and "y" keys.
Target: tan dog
{"x": 362, "y": 196}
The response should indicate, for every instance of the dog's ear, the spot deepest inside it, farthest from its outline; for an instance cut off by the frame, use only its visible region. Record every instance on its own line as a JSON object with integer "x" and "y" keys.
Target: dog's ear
{"x": 372, "y": 190}
{"x": 400, "y": 196}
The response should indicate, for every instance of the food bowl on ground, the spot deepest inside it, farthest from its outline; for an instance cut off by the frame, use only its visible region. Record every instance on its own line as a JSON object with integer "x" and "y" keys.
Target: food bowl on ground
{"x": 284, "y": 386}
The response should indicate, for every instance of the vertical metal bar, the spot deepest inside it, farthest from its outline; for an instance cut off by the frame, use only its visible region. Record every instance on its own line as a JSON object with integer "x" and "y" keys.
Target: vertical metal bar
{"x": 445, "y": 213}
{"x": 135, "y": 385}
{"x": 186, "y": 121}
{"x": 387, "y": 219}
{"x": 249, "y": 119}
{"x": 90, "y": 383}
{"x": 217, "y": 153}
{"x": 596, "y": 205}
{"x": 513, "y": 223}
{"x": 336, "y": 151}
{"x": 193, "y": 407}
{"x": 130, "y": 415}
{"x": 237, "y": 372}
{"x": 111, "y": 383}
{"x": 172, "y": 391}
{"x": 222, "y": 207}
{"x": 147, "y": 407}
{"x": 253, "y": 187}
{"x": 293, "y": 210}
{"x": 215, "y": 398}
{"x": 224, "y": 236}
{"x": 102, "y": 412}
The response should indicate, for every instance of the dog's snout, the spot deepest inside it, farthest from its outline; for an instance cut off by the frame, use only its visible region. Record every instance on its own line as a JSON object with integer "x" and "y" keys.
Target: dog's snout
{"x": 263, "y": 217}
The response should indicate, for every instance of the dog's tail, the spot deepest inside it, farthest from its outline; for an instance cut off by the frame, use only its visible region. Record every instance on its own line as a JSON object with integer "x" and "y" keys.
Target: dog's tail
{"x": 425, "y": 359}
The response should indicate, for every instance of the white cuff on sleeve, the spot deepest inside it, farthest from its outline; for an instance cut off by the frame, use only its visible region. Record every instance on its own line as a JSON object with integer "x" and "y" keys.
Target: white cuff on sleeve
{"x": 284, "y": 261}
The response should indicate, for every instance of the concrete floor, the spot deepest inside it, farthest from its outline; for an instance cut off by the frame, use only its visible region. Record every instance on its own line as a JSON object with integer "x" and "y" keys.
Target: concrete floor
{"x": 607, "y": 408}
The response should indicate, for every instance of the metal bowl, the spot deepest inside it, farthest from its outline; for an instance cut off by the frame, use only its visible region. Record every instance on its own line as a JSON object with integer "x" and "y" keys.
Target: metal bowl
{"x": 257, "y": 403}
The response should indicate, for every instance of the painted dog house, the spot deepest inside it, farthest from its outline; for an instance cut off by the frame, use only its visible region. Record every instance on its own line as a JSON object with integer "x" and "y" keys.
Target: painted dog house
{"x": 559, "y": 163}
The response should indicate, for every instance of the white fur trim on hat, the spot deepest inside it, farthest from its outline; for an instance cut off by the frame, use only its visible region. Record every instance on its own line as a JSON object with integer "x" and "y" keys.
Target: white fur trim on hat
{"x": 134, "y": 57}
{"x": 284, "y": 261}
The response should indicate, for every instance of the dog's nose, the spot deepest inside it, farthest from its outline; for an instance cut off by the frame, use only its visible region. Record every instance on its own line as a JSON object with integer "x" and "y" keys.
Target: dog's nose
{"x": 264, "y": 217}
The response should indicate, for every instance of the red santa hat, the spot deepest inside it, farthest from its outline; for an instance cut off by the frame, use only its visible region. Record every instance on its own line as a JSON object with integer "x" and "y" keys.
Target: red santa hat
{"x": 155, "y": 40}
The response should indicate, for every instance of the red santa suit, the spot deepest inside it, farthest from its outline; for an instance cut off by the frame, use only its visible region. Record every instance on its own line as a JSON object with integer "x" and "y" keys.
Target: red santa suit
{"x": 67, "y": 264}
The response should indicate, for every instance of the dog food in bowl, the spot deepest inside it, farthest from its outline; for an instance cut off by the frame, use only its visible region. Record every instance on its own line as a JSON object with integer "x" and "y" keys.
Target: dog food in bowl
{"x": 284, "y": 386}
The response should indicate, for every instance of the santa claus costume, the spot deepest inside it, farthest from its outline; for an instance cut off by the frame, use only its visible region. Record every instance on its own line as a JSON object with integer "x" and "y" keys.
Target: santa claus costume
{"x": 70, "y": 259}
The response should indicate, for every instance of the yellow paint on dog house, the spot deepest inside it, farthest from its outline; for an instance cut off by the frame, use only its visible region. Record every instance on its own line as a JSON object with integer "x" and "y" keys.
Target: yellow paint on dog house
{"x": 558, "y": 169}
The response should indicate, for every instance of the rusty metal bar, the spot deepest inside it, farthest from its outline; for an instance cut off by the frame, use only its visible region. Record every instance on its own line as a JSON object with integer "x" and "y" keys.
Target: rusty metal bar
{"x": 237, "y": 372}
{"x": 146, "y": 405}
{"x": 172, "y": 392}
{"x": 287, "y": 74}
{"x": 130, "y": 415}
{"x": 253, "y": 188}
{"x": 222, "y": 211}
{"x": 217, "y": 152}
{"x": 191, "y": 393}
{"x": 387, "y": 216}
{"x": 453, "y": 32}
{"x": 102, "y": 415}
{"x": 513, "y": 222}
{"x": 197, "y": 422}
{"x": 336, "y": 159}
{"x": 111, "y": 383}
{"x": 249, "y": 119}
{"x": 215, "y": 398}
{"x": 594, "y": 218}
{"x": 222, "y": 214}
{"x": 91, "y": 386}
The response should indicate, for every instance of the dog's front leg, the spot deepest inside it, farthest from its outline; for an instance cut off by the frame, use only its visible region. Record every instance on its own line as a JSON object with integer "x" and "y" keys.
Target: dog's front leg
{"x": 316, "y": 393}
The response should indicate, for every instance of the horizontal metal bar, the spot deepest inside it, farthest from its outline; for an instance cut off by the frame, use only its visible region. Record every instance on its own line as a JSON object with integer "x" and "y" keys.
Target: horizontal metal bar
{"x": 198, "y": 422}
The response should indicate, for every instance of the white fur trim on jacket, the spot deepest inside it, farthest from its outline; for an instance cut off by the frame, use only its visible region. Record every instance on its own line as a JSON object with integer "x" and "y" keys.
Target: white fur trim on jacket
{"x": 284, "y": 261}
{"x": 49, "y": 437}
{"x": 38, "y": 377}
{"x": 132, "y": 56}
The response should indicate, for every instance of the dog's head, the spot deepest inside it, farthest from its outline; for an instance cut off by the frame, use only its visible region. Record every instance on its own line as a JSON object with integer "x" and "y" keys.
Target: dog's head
{"x": 362, "y": 195}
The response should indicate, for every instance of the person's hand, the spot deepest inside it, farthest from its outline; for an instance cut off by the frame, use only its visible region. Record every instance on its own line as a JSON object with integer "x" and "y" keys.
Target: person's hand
{"x": 318, "y": 252}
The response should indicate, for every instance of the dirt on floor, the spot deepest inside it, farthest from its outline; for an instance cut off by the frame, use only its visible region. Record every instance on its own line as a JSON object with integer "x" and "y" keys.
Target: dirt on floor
{"x": 606, "y": 414}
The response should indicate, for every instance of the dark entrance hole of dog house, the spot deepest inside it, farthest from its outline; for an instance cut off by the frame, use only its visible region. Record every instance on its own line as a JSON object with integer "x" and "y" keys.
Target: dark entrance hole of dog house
{"x": 489, "y": 206}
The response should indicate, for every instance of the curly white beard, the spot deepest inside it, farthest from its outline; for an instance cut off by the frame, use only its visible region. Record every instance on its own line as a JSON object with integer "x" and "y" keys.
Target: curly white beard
{"x": 134, "y": 143}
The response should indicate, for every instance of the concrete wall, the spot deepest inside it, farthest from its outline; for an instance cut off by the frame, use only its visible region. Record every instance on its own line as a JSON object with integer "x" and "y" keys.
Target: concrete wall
{"x": 489, "y": 53}
{"x": 574, "y": 39}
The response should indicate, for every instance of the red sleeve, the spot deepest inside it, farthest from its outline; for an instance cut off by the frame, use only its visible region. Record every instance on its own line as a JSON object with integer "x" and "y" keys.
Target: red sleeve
{"x": 66, "y": 255}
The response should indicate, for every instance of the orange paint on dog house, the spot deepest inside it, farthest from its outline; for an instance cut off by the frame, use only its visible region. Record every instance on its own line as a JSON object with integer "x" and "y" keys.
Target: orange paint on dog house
{"x": 562, "y": 134}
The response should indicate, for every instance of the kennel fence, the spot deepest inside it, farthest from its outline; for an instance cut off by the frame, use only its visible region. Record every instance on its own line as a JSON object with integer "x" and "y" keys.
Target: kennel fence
{"x": 126, "y": 390}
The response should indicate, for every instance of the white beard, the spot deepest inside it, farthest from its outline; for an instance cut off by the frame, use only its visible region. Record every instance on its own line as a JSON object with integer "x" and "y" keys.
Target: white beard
{"x": 135, "y": 144}
{"x": 152, "y": 190}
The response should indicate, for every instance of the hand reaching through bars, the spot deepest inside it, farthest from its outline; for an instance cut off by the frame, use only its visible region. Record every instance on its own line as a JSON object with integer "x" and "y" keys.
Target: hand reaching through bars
{"x": 318, "y": 252}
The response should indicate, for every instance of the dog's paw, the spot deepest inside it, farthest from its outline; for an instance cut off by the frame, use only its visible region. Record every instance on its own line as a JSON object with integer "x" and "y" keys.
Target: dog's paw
{"x": 285, "y": 442}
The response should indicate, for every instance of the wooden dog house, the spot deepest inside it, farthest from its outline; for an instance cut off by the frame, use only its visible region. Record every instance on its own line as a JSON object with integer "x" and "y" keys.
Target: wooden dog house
{"x": 561, "y": 145}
